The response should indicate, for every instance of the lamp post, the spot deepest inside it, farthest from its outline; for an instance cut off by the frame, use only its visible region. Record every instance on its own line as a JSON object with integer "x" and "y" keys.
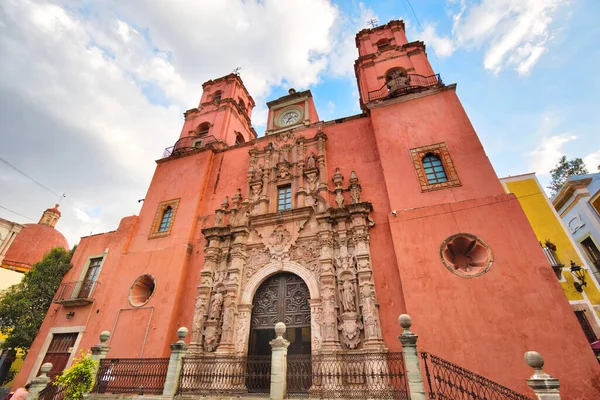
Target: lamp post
{"x": 579, "y": 273}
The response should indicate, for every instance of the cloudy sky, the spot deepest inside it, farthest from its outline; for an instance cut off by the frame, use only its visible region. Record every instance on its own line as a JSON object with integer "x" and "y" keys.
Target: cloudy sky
{"x": 92, "y": 92}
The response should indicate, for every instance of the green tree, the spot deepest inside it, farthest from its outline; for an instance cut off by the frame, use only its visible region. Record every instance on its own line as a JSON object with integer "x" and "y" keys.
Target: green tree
{"x": 78, "y": 379}
{"x": 563, "y": 170}
{"x": 23, "y": 306}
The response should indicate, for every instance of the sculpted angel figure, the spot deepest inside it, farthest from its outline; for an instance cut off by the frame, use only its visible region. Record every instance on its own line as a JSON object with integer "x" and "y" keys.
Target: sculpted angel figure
{"x": 348, "y": 297}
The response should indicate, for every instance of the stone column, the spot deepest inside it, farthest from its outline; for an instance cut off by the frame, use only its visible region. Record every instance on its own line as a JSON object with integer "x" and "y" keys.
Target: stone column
{"x": 411, "y": 359}
{"x": 39, "y": 383}
{"x": 100, "y": 350}
{"x": 279, "y": 348}
{"x": 544, "y": 386}
{"x": 211, "y": 256}
{"x": 178, "y": 350}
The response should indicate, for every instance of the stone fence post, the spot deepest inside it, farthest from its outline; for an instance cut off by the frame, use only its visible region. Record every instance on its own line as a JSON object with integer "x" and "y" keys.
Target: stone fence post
{"x": 178, "y": 350}
{"x": 279, "y": 348}
{"x": 39, "y": 383}
{"x": 544, "y": 386}
{"x": 411, "y": 359}
{"x": 100, "y": 350}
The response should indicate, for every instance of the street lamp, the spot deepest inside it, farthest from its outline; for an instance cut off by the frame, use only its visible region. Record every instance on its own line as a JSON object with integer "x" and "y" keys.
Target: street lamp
{"x": 579, "y": 273}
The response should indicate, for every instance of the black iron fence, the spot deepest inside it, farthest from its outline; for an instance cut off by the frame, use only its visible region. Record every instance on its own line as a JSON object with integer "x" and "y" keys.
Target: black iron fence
{"x": 359, "y": 376}
{"x": 131, "y": 375}
{"x": 52, "y": 392}
{"x": 225, "y": 375}
{"x": 299, "y": 373}
{"x": 448, "y": 381}
{"x": 405, "y": 84}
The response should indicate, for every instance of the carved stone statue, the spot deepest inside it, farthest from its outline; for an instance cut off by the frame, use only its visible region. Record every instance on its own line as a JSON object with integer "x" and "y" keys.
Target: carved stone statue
{"x": 339, "y": 198}
{"x": 355, "y": 194}
{"x": 215, "y": 306}
{"x": 311, "y": 162}
{"x": 258, "y": 174}
{"x": 348, "y": 297}
{"x": 256, "y": 192}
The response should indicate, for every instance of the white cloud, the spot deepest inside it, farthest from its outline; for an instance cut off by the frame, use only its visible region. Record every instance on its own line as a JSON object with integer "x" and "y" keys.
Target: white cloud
{"x": 442, "y": 45}
{"x": 330, "y": 106}
{"x": 592, "y": 161}
{"x": 514, "y": 33}
{"x": 545, "y": 156}
{"x": 72, "y": 87}
{"x": 344, "y": 49}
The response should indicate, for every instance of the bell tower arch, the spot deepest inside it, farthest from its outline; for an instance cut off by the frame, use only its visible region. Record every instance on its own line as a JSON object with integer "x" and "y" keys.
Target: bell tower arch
{"x": 223, "y": 113}
{"x": 383, "y": 51}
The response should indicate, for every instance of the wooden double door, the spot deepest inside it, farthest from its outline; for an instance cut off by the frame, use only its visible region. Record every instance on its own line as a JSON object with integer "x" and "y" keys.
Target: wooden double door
{"x": 283, "y": 298}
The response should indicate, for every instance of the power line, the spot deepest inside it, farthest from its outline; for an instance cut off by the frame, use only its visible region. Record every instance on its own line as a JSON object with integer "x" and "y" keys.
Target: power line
{"x": 60, "y": 196}
{"x": 414, "y": 14}
{"x": 14, "y": 212}
{"x": 422, "y": 30}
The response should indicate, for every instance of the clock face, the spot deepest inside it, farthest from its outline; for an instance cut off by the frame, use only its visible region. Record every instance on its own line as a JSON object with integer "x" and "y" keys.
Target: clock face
{"x": 290, "y": 118}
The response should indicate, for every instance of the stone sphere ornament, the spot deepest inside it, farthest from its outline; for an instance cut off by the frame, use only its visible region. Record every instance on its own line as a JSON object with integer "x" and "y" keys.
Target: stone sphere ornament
{"x": 280, "y": 328}
{"x": 182, "y": 332}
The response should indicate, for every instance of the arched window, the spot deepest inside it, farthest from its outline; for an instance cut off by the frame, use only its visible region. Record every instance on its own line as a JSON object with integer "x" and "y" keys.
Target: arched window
{"x": 165, "y": 222}
{"x": 382, "y": 43}
{"x": 242, "y": 104}
{"x": 239, "y": 138}
{"x": 217, "y": 96}
{"x": 434, "y": 169}
{"x": 202, "y": 129}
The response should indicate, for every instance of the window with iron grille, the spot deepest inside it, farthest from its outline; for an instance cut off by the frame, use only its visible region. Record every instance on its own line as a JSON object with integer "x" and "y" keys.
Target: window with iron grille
{"x": 165, "y": 222}
{"x": 284, "y": 199}
{"x": 434, "y": 170}
{"x": 585, "y": 325}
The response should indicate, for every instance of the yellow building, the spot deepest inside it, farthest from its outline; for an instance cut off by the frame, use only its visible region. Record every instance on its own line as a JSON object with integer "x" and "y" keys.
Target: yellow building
{"x": 561, "y": 251}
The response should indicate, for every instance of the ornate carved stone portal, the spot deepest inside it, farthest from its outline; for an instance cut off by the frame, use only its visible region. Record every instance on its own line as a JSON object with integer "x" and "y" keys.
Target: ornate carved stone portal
{"x": 323, "y": 240}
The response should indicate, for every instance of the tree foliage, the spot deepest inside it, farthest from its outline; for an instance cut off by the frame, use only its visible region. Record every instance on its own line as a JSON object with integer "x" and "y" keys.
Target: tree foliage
{"x": 23, "y": 306}
{"x": 563, "y": 170}
{"x": 78, "y": 379}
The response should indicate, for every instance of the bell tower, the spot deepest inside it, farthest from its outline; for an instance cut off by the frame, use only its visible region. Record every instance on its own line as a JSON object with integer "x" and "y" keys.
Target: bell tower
{"x": 50, "y": 216}
{"x": 223, "y": 114}
{"x": 387, "y": 62}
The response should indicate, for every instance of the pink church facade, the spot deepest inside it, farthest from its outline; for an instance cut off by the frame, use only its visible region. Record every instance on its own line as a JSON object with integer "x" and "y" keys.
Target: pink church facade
{"x": 394, "y": 210}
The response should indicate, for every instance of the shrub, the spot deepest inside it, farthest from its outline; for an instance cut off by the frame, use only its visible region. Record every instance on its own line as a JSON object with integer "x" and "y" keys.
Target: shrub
{"x": 79, "y": 378}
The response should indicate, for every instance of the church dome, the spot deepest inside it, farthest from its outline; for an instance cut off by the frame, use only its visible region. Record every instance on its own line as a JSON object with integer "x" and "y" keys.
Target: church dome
{"x": 35, "y": 240}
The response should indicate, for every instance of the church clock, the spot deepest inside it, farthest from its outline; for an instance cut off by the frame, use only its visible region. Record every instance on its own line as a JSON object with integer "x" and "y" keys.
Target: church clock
{"x": 289, "y": 116}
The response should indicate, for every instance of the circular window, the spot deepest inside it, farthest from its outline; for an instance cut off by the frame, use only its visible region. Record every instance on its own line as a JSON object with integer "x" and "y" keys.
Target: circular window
{"x": 466, "y": 255}
{"x": 142, "y": 290}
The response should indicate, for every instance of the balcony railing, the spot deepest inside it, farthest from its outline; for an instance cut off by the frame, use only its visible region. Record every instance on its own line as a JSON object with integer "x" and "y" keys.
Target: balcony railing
{"x": 193, "y": 143}
{"x": 555, "y": 263}
{"x": 405, "y": 84}
{"x": 76, "y": 293}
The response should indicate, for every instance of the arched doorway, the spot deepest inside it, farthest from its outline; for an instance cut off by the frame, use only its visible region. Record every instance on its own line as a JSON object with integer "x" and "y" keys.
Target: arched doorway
{"x": 283, "y": 297}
